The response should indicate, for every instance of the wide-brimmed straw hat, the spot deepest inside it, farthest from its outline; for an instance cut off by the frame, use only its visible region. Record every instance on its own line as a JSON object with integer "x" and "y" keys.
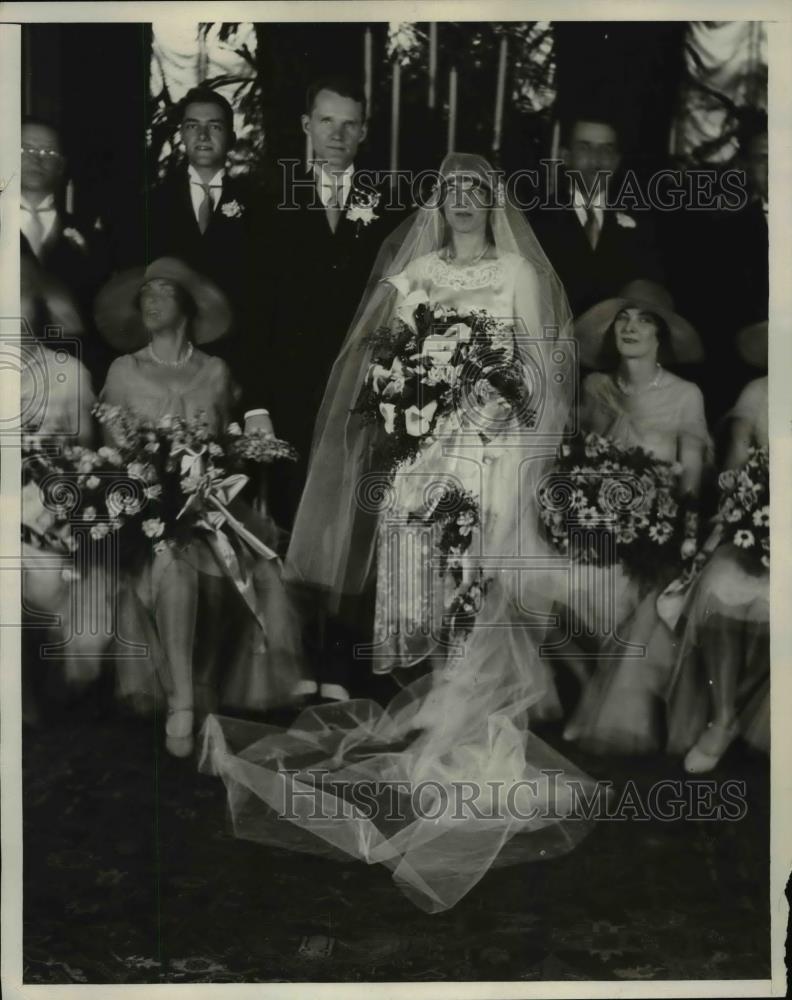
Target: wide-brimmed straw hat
{"x": 752, "y": 344}
{"x": 118, "y": 316}
{"x": 591, "y": 327}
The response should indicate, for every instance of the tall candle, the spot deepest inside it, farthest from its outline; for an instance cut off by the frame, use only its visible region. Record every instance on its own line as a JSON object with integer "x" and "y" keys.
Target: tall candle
{"x": 308, "y": 150}
{"x": 432, "y": 64}
{"x": 367, "y": 67}
{"x": 500, "y": 93}
{"x": 452, "y": 109}
{"x": 395, "y": 101}
{"x": 555, "y": 145}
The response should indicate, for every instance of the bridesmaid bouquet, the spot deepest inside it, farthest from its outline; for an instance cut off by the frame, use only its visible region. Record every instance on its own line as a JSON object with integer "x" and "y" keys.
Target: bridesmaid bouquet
{"x": 629, "y": 499}
{"x": 162, "y": 481}
{"x": 434, "y": 361}
{"x": 744, "y": 509}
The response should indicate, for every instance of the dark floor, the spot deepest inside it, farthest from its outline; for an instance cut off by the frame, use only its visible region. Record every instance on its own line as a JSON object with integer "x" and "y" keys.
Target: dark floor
{"x": 131, "y": 876}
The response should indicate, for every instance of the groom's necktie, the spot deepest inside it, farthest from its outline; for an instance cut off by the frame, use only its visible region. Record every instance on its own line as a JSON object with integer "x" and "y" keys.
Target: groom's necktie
{"x": 592, "y": 227}
{"x": 334, "y": 208}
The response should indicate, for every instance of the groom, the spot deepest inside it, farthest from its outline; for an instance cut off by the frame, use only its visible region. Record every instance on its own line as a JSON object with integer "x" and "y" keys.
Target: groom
{"x": 328, "y": 228}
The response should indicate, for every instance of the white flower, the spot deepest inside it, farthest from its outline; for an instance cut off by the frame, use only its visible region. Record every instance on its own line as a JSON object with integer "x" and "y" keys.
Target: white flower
{"x": 766, "y": 561}
{"x": 361, "y": 207}
{"x": 626, "y": 221}
{"x": 232, "y": 210}
{"x": 153, "y": 527}
{"x": 388, "y": 411}
{"x": 76, "y": 237}
{"x": 89, "y": 514}
{"x": 660, "y": 532}
{"x": 234, "y": 430}
{"x": 761, "y": 518}
{"x": 406, "y": 310}
{"x": 689, "y": 547}
{"x": 589, "y": 516}
{"x": 92, "y": 482}
{"x": 99, "y": 531}
{"x": 744, "y": 539}
{"x": 361, "y": 213}
{"x": 111, "y": 454}
{"x": 418, "y": 422}
{"x": 153, "y": 492}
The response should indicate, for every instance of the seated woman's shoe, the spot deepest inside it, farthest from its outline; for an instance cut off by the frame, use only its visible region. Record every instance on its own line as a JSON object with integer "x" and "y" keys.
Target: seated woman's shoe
{"x": 179, "y": 741}
{"x": 710, "y": 747}
{"x": 333, "y": 692}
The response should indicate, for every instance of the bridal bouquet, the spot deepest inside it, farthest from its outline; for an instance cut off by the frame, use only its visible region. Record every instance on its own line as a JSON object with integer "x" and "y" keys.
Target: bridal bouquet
{"x": 162, "y": 481}
{"x": 630, "y": 498}
{"x": 455, "y": 514}
{"x": 744, "y": 508}
{"x": 432, "y": 362}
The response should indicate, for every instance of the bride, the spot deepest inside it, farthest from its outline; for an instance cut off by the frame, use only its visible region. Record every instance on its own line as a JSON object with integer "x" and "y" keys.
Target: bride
{"x": 456, "y": 736}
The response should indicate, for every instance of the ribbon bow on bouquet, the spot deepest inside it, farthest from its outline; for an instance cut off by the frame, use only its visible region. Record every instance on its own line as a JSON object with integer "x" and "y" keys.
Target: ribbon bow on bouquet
{"x": 209, "y": 498}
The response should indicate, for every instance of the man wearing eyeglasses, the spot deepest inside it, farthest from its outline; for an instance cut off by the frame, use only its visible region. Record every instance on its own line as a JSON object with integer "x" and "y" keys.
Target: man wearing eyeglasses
{"x": 62, "y": 246}
{"x": 595, "y": 247}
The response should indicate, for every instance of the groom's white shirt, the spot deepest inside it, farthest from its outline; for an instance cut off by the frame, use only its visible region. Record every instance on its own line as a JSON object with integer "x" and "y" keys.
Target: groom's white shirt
{"x": 326, "y": 187}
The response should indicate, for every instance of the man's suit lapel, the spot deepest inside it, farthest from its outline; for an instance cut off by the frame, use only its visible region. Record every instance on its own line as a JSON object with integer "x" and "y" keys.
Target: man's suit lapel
{"x": 185, "y": 214}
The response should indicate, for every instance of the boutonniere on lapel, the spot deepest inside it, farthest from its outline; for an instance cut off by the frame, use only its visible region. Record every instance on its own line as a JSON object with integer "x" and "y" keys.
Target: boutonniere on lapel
{"x": 74, "y": 236}
{"x": 626, "y": 221}
{"x": 232, "y": 210}
{"x": 361, "y": 207}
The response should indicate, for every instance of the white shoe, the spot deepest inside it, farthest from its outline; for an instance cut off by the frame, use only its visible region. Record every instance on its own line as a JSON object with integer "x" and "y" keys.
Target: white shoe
{"x": 334, "y": 692}
{"x": 304, "y": 689}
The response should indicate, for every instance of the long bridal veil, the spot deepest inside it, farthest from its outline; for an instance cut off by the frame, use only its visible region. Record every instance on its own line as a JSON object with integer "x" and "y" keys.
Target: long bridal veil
{"x": 447, "y": 780}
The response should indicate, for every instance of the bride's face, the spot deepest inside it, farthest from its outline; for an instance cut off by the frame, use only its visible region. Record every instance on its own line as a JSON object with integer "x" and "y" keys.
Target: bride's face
{"x": 466, "y": 208}
{"x": 636, "y": 333}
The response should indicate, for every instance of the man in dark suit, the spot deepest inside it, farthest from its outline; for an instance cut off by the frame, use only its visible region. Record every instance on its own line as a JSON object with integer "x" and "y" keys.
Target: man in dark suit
{"x": 595, "y": 249}
{"x": 328, "y": 229}
{"x": 211, "y": 221}
{"x": 65, "y": 247}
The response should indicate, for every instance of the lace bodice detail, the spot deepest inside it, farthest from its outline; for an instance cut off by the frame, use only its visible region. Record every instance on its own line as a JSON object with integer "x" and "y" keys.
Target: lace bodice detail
{"x": 489, "y": 284}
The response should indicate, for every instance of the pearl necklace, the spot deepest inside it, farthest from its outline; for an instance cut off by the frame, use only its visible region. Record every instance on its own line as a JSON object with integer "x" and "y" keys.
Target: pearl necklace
{"x": 451, "y": 256}
{"x": 630, "y": 390}
{"x": 180, "y": 363}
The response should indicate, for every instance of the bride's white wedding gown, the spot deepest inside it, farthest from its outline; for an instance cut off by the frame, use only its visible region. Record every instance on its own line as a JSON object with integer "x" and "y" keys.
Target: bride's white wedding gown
{"x": 437, "y": 784}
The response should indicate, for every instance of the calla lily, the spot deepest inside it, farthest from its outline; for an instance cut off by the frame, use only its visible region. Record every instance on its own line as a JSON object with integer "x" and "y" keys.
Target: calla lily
{"x": 419, "y": 421}
{"x": 388, "y": 411}
{"x": 406, "y": 311}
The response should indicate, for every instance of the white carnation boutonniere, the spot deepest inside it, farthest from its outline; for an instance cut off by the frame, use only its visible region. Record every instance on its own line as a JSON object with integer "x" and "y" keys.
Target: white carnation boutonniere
{"x": 232, "y": 210}
{"x": 626, "y": 221}
{"x": 361, "y": 207}
{"x": 75, "y": 237}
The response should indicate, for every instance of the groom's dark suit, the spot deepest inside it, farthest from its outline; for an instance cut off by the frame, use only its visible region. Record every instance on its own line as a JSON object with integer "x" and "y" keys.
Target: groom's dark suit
{"x": 320, "y": 277}
{"x": 225, "y": 253}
